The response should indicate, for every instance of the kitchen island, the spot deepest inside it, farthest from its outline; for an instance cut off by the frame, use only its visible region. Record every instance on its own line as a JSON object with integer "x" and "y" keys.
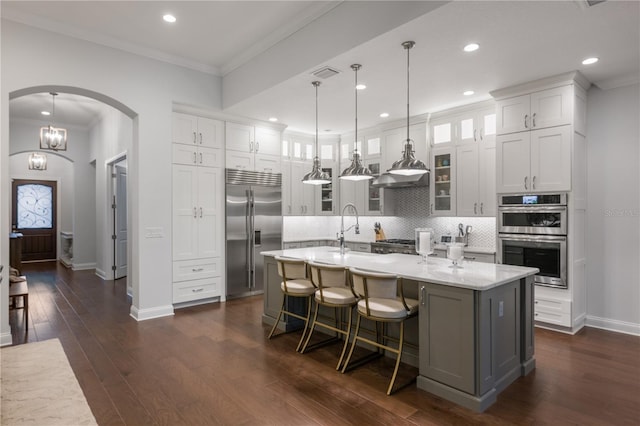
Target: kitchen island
{"x": 475, "y": 324}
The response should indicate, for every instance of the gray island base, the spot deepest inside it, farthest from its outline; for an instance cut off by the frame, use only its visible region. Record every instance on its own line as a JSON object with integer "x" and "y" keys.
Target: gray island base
{"x": 475, "y": 326}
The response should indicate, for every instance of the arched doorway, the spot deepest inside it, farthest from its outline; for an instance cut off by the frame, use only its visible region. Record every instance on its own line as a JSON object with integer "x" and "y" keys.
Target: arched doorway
{"x": 91, "y": 170}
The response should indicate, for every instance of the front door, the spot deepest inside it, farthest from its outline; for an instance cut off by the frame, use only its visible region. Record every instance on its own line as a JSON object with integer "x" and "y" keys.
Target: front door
{"x": 34, "y": 215}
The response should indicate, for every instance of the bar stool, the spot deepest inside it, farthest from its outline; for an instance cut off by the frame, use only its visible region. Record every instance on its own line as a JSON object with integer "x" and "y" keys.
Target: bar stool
{"x": 294, "y": 284}
{"x": 333, "y": 291}
{"x": 382, "y": 301}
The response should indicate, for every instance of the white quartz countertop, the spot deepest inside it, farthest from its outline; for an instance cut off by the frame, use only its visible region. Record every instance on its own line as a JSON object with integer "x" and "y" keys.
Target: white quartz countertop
{"x": 468, "y": 249}
{"x": 472, "y": 275}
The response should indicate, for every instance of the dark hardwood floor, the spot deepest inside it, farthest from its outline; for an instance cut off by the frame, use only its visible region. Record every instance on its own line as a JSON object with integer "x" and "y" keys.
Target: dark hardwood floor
{"x": 212, "y": 364}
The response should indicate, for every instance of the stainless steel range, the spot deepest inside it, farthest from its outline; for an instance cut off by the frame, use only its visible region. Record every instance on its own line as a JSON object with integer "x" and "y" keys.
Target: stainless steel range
{"x": 394, "y": 246}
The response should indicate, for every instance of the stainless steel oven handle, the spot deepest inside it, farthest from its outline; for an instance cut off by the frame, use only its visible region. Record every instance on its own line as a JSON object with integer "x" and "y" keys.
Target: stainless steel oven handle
{"x": 529, "y": 237}
{"x": 539, "y": 209}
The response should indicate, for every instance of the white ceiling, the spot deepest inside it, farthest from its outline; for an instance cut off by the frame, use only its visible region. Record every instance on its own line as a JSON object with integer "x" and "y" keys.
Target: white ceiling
{"x": 519, "y": 41}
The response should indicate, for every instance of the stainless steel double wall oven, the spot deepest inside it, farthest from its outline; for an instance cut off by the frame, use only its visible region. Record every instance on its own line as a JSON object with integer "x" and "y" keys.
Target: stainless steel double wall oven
{"x": 532, "y": 231}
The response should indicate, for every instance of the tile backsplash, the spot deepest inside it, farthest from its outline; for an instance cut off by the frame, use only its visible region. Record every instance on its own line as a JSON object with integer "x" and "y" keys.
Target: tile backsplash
{"x": 411, "y": 211}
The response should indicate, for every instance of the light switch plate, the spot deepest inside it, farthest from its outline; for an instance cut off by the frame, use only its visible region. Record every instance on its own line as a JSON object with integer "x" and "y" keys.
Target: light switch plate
{"x": 154, "y": 233}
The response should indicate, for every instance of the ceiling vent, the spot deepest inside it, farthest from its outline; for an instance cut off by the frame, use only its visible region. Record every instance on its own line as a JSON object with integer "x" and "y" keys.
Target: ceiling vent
{"x": 594, "y": 2}
{"x": 325, "y": 72}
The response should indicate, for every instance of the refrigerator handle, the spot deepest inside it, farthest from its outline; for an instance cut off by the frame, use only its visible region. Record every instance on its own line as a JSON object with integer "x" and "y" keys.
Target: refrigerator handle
{"x": 249, "y": 244}
{"x": 252, "y": 246}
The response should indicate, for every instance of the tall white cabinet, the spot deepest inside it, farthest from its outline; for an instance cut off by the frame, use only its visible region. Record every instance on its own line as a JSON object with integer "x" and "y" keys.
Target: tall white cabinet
{"x": 541, "y": 148}
{"x": 463, "y": 161}
{"x": 197, "y": 209}
{"x": 254, "y": 148}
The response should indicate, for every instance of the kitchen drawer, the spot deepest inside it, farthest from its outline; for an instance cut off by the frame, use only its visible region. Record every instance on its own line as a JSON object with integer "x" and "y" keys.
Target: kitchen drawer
{"x": 553, "y": 311}
{"x": 197, "y": 289}
{"x": 185, "y": 270}
{"x": 363, "y": 247}
{"x": 480, "y": 257}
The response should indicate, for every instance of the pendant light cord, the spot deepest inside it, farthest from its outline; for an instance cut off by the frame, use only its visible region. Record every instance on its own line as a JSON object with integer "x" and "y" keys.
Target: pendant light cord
{"x": 408, "y": 47}
{"x": 356, "y": 67}
{"x": 316, "y": 84}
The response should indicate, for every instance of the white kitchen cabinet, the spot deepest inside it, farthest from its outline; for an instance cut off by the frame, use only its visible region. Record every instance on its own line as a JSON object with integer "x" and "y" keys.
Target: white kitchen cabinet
{"x": 539, "y": 160}
{"x": 538, "y": 110}
{"x": 197, "y": 156}
{"x": 469, "y": 124}
{"x": 475, "y": 179}
{"x": 253, "y": 148}
{"x": 302, "y": 195}
{"x": 197, "y": 212}
{"x": 327, "y": 195}
{"x": 393, "y": 144}
{"x": 443, "y": 185}
{"x": 353, "y": 192}
{"x": 200, "y": 131}
{"x": 374, "y": 197}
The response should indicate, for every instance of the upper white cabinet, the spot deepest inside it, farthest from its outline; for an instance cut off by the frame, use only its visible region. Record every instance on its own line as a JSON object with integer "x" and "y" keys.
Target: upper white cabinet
{"x": 538, "y": 110}
{"x": 475, "y": 179}
{"x": 253, "y": 148}
{"x": 469, "y": 124}
{"x": 303, "y": 196}
{"x": 191, "y": 130}
{"x": 443, "y": 187}
{"x": 535, "y": 161}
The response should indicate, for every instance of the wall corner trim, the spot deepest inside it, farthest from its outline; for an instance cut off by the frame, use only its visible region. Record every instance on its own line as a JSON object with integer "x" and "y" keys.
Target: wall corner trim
{"x": 146, "y": 314}
{"x": 6, "y": 339}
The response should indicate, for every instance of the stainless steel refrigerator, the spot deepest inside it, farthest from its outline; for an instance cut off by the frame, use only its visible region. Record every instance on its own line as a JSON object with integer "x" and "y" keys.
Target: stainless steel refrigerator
{"x": 253, "y": 224}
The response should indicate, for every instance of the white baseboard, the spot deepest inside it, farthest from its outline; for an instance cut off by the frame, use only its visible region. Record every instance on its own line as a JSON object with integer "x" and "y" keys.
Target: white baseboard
{"x": 6, "y": 339}
{"x": 83, "y": 266}
{"x": 101, "y": 274}
{"x": 145, "y": 314}
{"x": 613, "y": 325}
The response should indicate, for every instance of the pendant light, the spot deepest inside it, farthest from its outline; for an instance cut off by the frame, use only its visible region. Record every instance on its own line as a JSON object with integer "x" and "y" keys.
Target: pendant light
{"x": 408, "y": 165}
{"x": 53, "y": 137}
{"x": 356, "y": 171}
{"x": 316, "y": 176}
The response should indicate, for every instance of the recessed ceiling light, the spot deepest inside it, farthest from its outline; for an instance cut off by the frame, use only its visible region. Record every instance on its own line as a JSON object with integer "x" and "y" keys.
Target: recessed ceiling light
{"x": 468, "y": 92}
{"x": 273, "y": 119}
{"x": 169, "y": 18}
{"x": 471, "y": 47}
{"x": 589, "y": 61}
{"x": 361, "y": 86}
{"x": 45, "y": 113}
{"x": 384, "y": 115}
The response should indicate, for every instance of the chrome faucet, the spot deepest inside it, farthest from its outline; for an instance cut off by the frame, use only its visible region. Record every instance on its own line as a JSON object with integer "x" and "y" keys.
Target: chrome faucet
{"x": 342, "y": 230}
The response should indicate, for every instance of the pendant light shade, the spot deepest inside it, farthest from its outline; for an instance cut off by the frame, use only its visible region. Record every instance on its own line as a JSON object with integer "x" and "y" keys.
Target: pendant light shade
{"x": 408, "y": 165}
{"x": 356, "y": 171}
{"x": 53, "y": 137}
{"x": 316, "y": 176}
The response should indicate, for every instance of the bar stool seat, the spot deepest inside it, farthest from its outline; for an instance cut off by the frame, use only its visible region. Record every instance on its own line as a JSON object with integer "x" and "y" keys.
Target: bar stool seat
{"x": 333, "y": 291}
{"x": 294, "y": 284}
{"x": 381, "y": 301}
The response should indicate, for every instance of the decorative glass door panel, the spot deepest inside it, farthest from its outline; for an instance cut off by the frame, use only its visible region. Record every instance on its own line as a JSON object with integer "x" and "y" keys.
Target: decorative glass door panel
{"x": 34, "y": 215}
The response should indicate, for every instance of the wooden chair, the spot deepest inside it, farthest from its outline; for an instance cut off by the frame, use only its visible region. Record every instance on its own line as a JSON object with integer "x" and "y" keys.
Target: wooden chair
{"x": 333, "y": 291}
{"x": 381, "y": 301}
{"x": 20, "y": 289}
{"x": 295, "y": 284}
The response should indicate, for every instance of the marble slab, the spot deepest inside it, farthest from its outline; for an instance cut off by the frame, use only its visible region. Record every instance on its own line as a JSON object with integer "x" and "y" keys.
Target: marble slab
{"x": 39, "y": 387}
{"x": 472, "y": 275}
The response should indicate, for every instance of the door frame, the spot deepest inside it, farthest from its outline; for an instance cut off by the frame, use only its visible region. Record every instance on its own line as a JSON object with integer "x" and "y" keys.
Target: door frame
{"x": 110, "y": 164}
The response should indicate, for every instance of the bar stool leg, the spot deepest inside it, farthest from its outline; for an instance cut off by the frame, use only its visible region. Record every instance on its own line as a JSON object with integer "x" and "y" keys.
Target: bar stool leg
{"x": 313, "y": 324}
{"x": 273, "y": 329}
{"x": 395, "y": 370}
{"x": 353, "y": 344}
{"x": 306, "y": 323}
{"x": 346, "y": 340}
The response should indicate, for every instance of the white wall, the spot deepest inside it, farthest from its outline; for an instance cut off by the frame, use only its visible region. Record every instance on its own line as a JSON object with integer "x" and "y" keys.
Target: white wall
{"x": 111, "y": 136}
{"x": 146, "y": 89}
{"x": 613, "y": 211}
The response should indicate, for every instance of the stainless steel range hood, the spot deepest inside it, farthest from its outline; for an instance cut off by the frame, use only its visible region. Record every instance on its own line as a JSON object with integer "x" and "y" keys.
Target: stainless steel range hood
{"x": 389, "y": 181}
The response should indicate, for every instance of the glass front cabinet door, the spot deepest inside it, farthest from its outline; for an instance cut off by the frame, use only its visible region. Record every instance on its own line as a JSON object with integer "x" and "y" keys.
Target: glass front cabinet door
{"x": 443, "y": 188}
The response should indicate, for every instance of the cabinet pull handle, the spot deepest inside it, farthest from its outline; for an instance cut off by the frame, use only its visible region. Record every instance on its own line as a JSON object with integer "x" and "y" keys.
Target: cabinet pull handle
{"x": 197, "y": 269}
{"x": 197, "y": 290}
{"x": 533, "y": 118}
{"x": 468, "y": 258}
{"x": 431, "y": 208}
{"x": 475, "y": 208}
{"x": 195, "y": 213}
{"x": 481, "y": 208}
{"x": 200, "y": 158}
{"x": 423, "y": 295}
{"x": 250, "y": 146}
{"x": 525, "y": 182}
{"x": 194, "y": 137}
{"x": 533, "y": 182}
{"x": 481, "y": 133}
{"x": 194, "y": 158}
{"x": 257, "y": 146}
{"x": 200, "y": 211}
{"x": 474, "y": 135}
{"x": 526, "y": 116}
{"x": 200, "y": 138}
